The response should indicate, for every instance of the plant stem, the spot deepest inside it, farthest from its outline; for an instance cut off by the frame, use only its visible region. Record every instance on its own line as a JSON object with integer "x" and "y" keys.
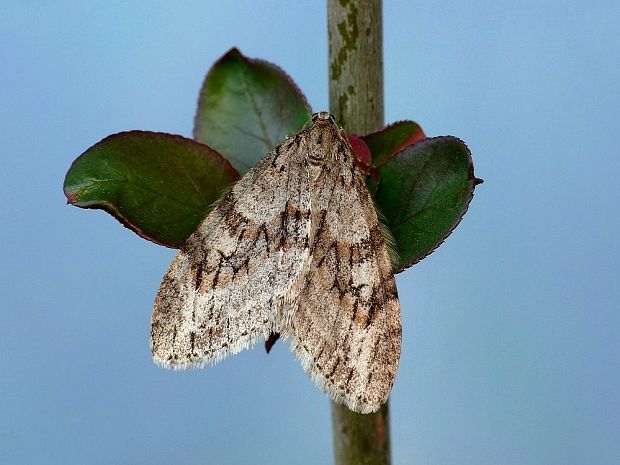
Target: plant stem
{"x": 356, "y": 63}
{"x": 356, "y": 101}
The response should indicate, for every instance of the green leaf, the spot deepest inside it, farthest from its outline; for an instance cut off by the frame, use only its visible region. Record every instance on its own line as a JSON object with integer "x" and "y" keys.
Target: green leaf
{"x": 246, "y": 108}
{"x": 158, "y": 185}
{"x": 390, "y": 140}
{"x": 424, "y": 191}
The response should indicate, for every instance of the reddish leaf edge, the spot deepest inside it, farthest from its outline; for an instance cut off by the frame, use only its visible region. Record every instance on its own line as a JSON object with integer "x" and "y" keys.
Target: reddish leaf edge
{"x": 472, "y": 180}
{"x": 412, "y": 140}
{"x": 106, "y": 207}
{"x": 73, "y": 197}
{"x": 234, "y": 51}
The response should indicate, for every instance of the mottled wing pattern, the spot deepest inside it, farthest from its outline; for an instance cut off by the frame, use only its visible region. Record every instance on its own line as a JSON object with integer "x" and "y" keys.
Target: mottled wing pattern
{"x": 346, "y": 330}
{"x": 237, "y": 271}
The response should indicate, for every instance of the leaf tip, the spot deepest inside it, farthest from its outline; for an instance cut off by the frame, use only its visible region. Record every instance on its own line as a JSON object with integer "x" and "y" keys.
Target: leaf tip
{"x": 234, "y": 51}
{"x": 478, "y": 181}
{"x": 72, "y": 197}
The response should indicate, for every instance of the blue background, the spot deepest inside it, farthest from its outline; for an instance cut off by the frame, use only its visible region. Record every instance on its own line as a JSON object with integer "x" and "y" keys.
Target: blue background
{"x": 511, "y": 329}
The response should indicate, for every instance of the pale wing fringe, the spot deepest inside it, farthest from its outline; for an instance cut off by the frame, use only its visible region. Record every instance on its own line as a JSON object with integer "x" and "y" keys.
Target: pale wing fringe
{"x": 327, "y": 387}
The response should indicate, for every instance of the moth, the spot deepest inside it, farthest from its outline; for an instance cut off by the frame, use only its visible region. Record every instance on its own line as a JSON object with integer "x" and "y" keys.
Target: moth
{"x": 295, "y": 248}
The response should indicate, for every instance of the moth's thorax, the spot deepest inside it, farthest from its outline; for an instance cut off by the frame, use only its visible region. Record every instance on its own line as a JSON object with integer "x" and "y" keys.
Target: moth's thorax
{"x": 325, "y": 144}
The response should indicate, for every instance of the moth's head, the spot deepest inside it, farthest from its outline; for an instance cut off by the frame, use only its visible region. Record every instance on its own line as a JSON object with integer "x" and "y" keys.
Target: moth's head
{"x": 323, "y": 117}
